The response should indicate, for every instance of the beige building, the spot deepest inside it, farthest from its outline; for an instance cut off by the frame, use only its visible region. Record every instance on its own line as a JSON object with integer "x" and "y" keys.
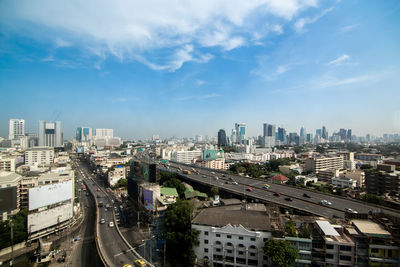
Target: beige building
{"x": 39, "y": 156}
{"x": 217, "y": 164}
{"x": 315, "y": 164}
{"x": 357, "y": 175}
{"x": 116, "y": 173}
{"x": 7, "y": 164}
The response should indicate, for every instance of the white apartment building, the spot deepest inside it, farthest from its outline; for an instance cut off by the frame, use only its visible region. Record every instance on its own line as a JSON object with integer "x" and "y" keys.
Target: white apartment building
{"x": 16, "y": 128}
{"x": 108, "y": 133}
{"x": 186, "y": 156}
{"x": 39, "y": 156}
{"x": 344, "y": 182}
{"x": 7, "y": 164}
{"x": 116, "y": 173}
{"x": 50, "y": 134}
{"x": 232, "y": 235}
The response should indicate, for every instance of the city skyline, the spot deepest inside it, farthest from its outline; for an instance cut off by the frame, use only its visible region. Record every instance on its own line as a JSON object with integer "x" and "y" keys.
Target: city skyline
{"x": 153, "y": 69}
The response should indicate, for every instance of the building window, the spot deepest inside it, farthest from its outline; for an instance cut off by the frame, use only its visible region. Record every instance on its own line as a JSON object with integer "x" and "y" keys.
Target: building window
{"x": 345, "y": 258}
{"x": 345, "y": 248}
{"x": 253, "y": 254}
{"x": 218, "y": 250}
{"x": 229, "y": 236}
{"x": 205, "y": 241}
{"x": 240, "y": 237}
{"x": 206, "y": 250}
{"x": 229, "y": 250}
{"x": 265, "y": 239}
{"x": 374, "y": 250}
{"x": 218, "y": 235}
{"x": 240, "y": 252}
{"x": 329, "y": 246}
{"x": 205, "y": 232}
{"x": 253, "y": 239}
{"x": 329, "y": 256}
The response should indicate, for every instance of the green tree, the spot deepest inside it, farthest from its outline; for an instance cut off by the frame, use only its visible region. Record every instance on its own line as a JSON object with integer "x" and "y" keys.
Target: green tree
{"x": 179, "y": 235}
{"x": 290, "y": 228}
{"x": 305, "y": 231}
{"x": 214, "y": 191}
{"x": 280, "y": 252}
{"x": 121, "y": 183}
{"x": 20, "y": 231}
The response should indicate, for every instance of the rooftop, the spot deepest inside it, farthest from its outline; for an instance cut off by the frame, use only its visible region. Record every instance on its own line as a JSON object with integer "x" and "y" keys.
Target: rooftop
{"x": 169, "y": 191}
{"x": 279, "y": 177}
{"x": 327, "y": 228}
{"x": 9, "y": 177}
{"x": 370, "y": 228}
{"x": 234, "y": 215}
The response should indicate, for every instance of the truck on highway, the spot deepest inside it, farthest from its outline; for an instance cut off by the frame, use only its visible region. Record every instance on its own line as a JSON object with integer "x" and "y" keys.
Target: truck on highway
{"x": 186, "y": 172}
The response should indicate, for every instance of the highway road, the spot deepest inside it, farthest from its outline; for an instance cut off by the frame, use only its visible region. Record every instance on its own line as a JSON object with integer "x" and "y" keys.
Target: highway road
{"x": 309, "y": 204}
{"x": 115, "y": 251}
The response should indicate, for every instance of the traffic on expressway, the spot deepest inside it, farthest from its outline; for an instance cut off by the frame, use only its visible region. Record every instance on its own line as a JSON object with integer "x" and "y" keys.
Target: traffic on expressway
{"x": 288, "y": 196}
{"x": 113, "y": 248}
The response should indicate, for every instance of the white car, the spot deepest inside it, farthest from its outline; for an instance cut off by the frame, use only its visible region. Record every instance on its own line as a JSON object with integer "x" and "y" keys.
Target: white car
{"x": 350, "y": 210}
{"x": 325, "y": 202}
{"x": 102, "y": 221}
{"x": 111, "y": 224}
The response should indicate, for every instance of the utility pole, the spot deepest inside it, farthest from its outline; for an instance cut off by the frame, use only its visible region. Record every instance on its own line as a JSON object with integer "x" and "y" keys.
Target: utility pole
{"x": 12, "y": 242}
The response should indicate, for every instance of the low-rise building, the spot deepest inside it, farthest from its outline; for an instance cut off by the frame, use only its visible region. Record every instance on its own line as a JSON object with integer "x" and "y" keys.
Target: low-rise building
{"x": 279, "y": 179}
{"x": 344, "y": 182}
{"x": 39, "y": 156}
{"x": 7, "y": 163}
{"x": 317, "y": 163}
{"x": 233, "y": 235}
{"x": 381, "y": 182}
{"x": 116, "y": 173}
{"x": 168, "y": 195}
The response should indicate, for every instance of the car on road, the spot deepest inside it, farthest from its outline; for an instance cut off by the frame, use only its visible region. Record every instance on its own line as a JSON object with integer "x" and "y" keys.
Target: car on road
{"x": 277, "y": 194}
{"x": 110, "y": 224}
{"x": 288, "y": 199}
{"x": 306, "y": 195}
{"x": 350, "y": 210}
{"x": 266, "y": 186}
{"x": 325, "y": 202}
{"x": 140, "y": 263}
{"x": 102, "y": 220}
{"x": 204, "y": 176}
{"x": 108, "y": 190}
{"x": 223, "y": 175}
{"x": 234, "y": 182}
{"x": 98, "y": 189}
{"x": 249, "y": 189}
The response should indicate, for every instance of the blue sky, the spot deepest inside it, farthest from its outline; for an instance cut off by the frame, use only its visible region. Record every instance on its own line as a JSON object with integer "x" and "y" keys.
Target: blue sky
{"x": 192, "y": 67}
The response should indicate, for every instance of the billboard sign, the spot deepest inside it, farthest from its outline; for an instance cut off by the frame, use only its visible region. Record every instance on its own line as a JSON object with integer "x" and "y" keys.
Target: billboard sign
{"x": 148, "y": 199}
{"x": 49, "y": 217}
{"x": 209, "y": 154}
{"x": 8, "y": 199}
{"x": 50, "y": 194}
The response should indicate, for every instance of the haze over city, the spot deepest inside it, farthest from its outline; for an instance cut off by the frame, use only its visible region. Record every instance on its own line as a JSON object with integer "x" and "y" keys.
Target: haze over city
{"x": 151, "y": 68}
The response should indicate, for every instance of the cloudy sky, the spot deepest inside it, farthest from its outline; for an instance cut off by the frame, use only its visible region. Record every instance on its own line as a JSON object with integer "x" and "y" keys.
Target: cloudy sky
{"x": 192, "y": 67}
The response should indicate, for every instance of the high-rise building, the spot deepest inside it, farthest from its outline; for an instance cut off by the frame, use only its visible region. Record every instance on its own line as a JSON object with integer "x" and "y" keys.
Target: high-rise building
{"x": 16, "y": 129}
{"x": 240, "y": 132}
{"x": 268, "y": 135}
{"x": 348, "y": 135}
{"x": 50, "y": 134}
{"x": 343, "y": 134}
{"x": 222, "y": 140}
{"x": 282, "y": 134}
{"x": 105, "y": 133}
{"x": 324, "y": 133}
{"x": 83, "y": 134}
{"x": 309, "y": 138}
{"x": 318, "y": 132}
{"x": 303, "y": 134}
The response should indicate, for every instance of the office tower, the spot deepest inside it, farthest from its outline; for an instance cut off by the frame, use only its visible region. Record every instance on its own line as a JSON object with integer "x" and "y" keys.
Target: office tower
{"x": 233, "y": 137}
{"x": 349, "y": 135}
{"x": 309, "y": 138}
{"x": 281, "y": 134}
{"x": 105, "y": 133}
{"x": 222, "y": 140}
{"x": 83, "y": 134}
{"x": 240, "y": 132}
{"x": 292, "y": 138}
{"x": 343, "y": 134}
{"x": 268, "y": 139}
{"x": 50, "y": 134}
{"x": 16, "y": 129}
{"x": 318, "y": 133}
{"x": 302, "y": 137}
{"x": 324, "y": 133}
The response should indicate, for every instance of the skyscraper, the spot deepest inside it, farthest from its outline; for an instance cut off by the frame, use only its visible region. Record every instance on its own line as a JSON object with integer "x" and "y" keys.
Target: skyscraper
{"x": 318, "y": 132}
{"x": 83, "y": 134}
{"x": 268, "y": 135}
{"x": 303, "y": 133}
{"x": 282, "y": 134}
{"x": 348, "y": 135}
{"x": 240, "y": 132}
{"x": 324, "y": 133}
{"x": 343, "y": 134}
{"x": 50, "y": 134}
{"x": 222, "y": 141}
{"x": 16, "y": 129}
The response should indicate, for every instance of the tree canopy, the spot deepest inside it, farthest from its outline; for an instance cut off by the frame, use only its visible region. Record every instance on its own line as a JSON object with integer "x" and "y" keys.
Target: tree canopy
{"x": 179, "y": 235}
{"x": 19, "y": 227}
{"x": 280, "y": 252}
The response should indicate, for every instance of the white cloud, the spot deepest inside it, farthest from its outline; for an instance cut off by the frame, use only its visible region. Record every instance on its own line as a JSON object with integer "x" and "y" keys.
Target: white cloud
{"x": 302, "y": 22}
{"x": 340, "y": 60}
{"x": 200, "y": 82}
{"x": 197, "y": 97}
{"x": 49, "y": 58}
{"x": 131, "y": 29}
{"x": 328, "y": 82}
{"x": 349, "y": 28}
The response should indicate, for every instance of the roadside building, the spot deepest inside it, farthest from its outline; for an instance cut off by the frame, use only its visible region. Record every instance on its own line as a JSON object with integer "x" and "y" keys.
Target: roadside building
{"x": 9, "y": 194}
{"x": 279, "y": 179}
{"x": 36, "y": 156}
{"x": 381, "y": 182}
